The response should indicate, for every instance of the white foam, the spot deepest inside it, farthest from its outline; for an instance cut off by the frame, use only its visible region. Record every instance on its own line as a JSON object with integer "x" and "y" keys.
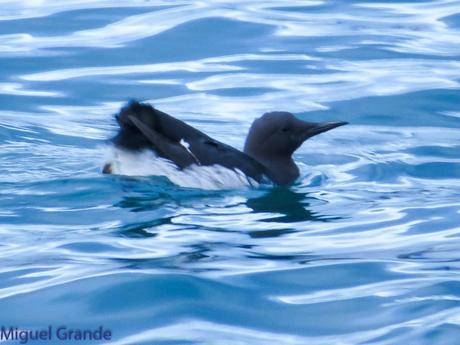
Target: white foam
{"x": 146, "y": 163}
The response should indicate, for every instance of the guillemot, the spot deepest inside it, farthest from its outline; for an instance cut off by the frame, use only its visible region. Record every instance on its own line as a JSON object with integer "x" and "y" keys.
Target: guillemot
{"x": 271, "y": 141}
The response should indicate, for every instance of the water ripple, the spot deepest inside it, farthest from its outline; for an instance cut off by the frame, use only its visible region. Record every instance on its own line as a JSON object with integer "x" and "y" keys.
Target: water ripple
{"x": 363, "y": 248}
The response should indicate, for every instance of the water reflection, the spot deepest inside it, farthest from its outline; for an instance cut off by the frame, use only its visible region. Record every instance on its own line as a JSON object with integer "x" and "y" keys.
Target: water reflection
{"x": 288, "y": 205}
{"x": 165, "y": 206}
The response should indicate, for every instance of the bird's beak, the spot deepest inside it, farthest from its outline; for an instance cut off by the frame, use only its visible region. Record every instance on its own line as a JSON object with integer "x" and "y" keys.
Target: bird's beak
{"x": 312, "y": 129}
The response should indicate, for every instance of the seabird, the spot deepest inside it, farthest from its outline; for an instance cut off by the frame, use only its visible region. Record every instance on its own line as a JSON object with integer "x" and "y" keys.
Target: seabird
{"x": 271, "y": 141}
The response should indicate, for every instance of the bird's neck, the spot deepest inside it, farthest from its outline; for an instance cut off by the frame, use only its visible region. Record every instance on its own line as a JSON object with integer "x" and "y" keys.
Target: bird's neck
{"x": 281, "y": 170}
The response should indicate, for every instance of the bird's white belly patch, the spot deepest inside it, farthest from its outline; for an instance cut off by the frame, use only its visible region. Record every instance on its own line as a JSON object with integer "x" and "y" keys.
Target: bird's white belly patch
{"x": 146, "y": 163}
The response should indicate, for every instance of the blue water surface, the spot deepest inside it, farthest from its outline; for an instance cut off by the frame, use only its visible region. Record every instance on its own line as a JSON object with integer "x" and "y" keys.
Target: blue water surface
{"x": 363, "y": 249}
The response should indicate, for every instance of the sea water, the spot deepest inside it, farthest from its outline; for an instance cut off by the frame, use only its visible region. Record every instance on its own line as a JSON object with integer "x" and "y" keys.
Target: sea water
{"x": 362, "y": 249}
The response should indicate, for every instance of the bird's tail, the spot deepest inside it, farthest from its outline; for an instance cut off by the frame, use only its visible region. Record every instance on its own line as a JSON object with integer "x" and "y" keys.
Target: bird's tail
{"x": 142, "y": 111}
{"x": 129, "y": 136}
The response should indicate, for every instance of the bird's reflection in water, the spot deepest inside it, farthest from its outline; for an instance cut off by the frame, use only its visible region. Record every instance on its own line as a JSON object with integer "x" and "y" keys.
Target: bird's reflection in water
{"x": 163, "y": 201}
{"x": 158, "y": 206}
{"x": 290, "y": 205}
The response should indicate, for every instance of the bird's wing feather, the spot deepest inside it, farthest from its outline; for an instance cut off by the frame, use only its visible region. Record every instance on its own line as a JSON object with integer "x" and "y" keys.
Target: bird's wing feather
{"x": 212, "y": 152}
{"x": 177, "y": 153}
